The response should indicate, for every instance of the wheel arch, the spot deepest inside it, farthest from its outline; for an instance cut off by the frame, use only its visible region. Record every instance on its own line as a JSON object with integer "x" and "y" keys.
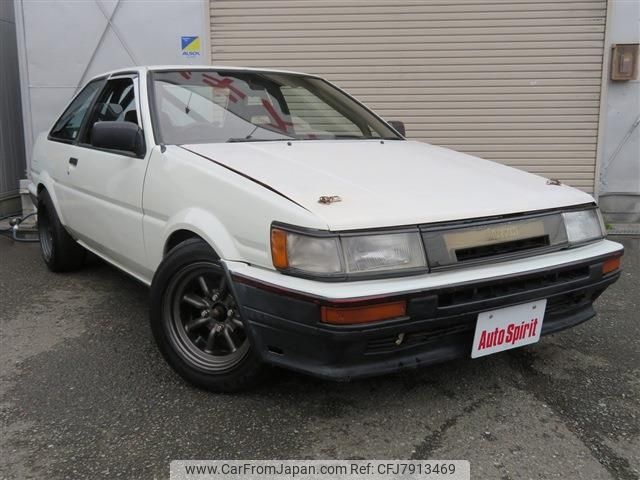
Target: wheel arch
{"x": 196, "y": 223}
{"x": 45, "y": 183}
{"x": 179, "y": 236}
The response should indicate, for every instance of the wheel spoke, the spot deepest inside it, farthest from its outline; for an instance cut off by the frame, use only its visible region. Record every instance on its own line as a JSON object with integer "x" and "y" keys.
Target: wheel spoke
{"x": 230, "y": 342}
{"x": 195, "y": 301}
{"x": 204, "y": 287}
{"x": 196, "y": 322}
{"x": 211, "y": 339}
{"x": 237, "y": 322}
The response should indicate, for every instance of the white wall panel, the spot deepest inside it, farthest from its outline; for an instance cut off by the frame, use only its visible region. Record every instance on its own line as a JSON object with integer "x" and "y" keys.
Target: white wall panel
{"x": 63, "y": 43}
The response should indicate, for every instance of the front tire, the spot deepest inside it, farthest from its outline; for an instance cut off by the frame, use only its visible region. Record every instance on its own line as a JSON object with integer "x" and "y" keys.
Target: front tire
{"x": 196, "y": 322}
{"x": 59, "y": 250}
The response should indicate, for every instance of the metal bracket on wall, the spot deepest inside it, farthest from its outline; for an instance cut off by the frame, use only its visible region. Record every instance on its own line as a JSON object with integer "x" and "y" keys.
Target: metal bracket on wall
{"x": 116, "y": 32}
{"x": 615, "y": 153}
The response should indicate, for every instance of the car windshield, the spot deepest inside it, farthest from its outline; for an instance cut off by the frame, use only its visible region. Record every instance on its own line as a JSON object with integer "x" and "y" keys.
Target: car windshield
{"x": 208, "y": 106}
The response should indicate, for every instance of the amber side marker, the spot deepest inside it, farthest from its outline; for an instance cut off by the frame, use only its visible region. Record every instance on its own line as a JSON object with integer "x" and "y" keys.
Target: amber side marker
{"x": 610, "y": 265}
{"x": 279, "y": 248}
{"x": 363, "y": 314}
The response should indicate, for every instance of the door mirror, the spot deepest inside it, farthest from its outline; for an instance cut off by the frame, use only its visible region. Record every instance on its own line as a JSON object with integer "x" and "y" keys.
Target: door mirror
{"x": 125, "y": 137}
{"x": 398, "y": 126}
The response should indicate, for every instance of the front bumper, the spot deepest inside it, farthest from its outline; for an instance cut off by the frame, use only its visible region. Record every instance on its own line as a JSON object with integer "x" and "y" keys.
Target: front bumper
{"x": 284, "y": 324}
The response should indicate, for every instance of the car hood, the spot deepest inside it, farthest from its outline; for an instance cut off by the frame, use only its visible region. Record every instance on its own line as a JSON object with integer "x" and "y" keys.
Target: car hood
{"x": 389, "y": 183}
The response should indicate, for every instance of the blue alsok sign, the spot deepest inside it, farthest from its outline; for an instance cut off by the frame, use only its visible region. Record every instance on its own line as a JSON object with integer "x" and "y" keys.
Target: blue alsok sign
{"x": 190, "y": 45}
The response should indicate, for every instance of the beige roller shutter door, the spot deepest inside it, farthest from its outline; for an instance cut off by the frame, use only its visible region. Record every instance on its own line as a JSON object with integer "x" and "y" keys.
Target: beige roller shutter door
{"x": 517, "y": 81}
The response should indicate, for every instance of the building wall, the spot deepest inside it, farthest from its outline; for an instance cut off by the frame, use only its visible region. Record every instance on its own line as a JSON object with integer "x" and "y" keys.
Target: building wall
{"x": 516, "y": 81}
{"x": 63, "y": 43}
{"x": 620, "y": 167}
{"x": 12, "y": 161}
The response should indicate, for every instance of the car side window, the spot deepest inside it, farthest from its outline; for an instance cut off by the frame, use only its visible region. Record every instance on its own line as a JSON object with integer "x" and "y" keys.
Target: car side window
{"x": 68, "y": 125}
{"x": 116, "y": 103}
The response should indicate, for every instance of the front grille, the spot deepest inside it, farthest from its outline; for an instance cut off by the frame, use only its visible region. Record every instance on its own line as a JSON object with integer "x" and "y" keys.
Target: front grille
{"x": 493, "y": 239}
{"x": 564, "y": 303}
{"x": 509, "y": 286}
{"x": 390, "y": 343}
{"x": 475, "y": 253}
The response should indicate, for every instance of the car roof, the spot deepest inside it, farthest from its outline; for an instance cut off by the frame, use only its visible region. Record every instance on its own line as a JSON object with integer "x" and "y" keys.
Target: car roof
{"x": 143, "y": 69}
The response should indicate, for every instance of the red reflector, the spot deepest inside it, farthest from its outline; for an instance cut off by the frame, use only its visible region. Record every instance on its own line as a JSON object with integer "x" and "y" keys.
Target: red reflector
{"x": 610, "y": 265}
{"x": 364, "y": 314}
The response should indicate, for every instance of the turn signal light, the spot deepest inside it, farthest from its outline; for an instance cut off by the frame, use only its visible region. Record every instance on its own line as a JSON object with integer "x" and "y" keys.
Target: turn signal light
{"x": 611, "y": 265}
{"x": 279, "y": 248}
{"x": 364, "y": 314}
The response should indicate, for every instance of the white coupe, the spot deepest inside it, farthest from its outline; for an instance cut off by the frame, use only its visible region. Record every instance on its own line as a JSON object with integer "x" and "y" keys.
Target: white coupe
{"x": 281, "y": 222}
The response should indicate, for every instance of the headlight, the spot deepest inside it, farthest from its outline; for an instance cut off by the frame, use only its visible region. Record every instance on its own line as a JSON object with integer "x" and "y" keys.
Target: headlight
{"x": 583, "y": 225}
{"x": 326, "y": 254}
{"x": 396, "y": 251}
{"x": 305, "y": 253}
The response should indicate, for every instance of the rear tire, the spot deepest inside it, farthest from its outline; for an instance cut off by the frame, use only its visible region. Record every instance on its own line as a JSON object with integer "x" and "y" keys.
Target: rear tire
{"x": 196, "y": 322}
{"x": 59, "y": 250}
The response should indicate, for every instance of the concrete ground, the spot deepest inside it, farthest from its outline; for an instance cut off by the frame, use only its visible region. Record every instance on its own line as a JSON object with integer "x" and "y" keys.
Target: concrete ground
{"x": 85, "y": 394}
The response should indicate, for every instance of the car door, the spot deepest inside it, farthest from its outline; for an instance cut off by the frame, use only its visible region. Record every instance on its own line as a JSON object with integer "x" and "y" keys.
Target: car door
{"x": 61, "y": 139}
{"x": 103, "y": 206}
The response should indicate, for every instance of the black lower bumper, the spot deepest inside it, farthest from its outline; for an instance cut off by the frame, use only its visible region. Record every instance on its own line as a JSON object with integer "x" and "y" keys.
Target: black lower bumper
{"x": 285, "y": 327}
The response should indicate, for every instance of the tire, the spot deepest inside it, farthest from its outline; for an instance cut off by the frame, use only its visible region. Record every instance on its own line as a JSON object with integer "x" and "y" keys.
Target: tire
{"x": 59, "y": 250}
{"x": 196, "y": 322}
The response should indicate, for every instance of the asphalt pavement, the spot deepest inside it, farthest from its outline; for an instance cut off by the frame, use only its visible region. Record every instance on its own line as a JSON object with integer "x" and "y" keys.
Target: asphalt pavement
{"x": 84, "y": 393}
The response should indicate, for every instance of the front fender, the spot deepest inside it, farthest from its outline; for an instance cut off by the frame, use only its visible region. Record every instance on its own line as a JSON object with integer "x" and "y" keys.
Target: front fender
{"x": 199, "y": 221}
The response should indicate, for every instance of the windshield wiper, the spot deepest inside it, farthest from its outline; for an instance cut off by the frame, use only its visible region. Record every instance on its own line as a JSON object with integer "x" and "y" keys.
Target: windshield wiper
{"x": 359, "y": 137}
{"x": 244, "y": 139}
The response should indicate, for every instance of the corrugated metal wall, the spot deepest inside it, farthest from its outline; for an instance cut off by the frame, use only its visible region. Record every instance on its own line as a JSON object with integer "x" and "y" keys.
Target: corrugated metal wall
{"x": 12, "y": 164}
{"x": 517, "y": 81}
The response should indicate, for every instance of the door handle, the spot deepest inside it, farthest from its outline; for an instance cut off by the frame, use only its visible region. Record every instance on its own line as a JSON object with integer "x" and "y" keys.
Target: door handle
{"x": 73, "y": 161}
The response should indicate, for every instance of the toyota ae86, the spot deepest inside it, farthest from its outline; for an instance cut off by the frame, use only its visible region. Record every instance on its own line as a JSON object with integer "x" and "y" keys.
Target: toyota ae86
{"x": 279, "y": 221}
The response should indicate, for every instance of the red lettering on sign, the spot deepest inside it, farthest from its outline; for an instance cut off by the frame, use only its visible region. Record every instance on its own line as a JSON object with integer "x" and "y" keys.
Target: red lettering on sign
{"x": 510, "y": 335}
{"x": 483, "y": 340}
